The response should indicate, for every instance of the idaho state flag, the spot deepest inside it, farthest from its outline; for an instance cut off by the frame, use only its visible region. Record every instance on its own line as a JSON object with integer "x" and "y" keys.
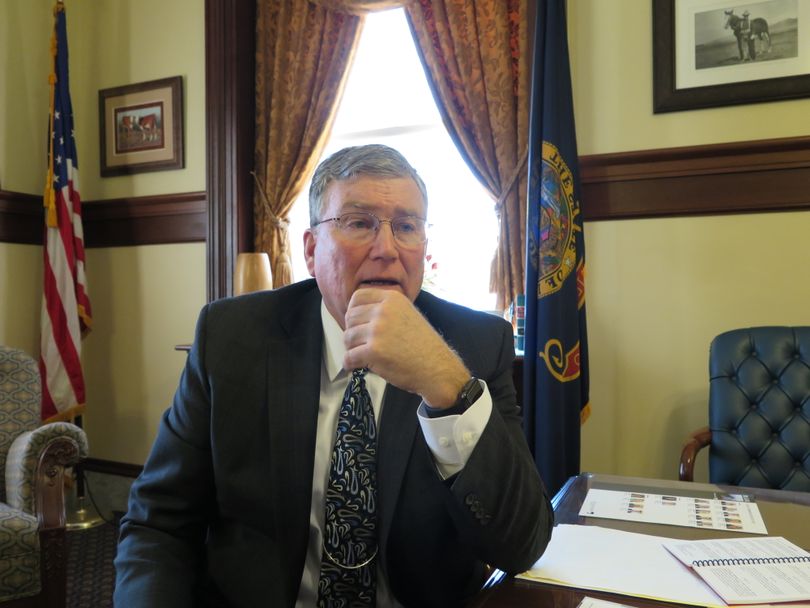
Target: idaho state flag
{"x": 555, "y": 374}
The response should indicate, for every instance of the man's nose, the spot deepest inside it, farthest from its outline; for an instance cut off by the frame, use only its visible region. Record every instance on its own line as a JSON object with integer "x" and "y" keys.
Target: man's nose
{"x": 384, "y": 239}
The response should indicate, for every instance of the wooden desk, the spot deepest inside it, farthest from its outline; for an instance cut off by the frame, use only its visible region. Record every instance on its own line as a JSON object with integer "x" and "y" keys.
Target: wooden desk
{"x": 785, "y": 513}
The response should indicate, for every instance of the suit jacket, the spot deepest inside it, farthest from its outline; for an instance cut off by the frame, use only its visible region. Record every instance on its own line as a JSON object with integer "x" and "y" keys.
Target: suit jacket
{"x": 222, "y": 507}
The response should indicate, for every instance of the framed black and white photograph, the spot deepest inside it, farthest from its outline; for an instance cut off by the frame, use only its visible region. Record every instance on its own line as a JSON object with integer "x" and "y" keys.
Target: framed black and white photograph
{"x": 141, "y": 127}
{"x": 709, "y": 53}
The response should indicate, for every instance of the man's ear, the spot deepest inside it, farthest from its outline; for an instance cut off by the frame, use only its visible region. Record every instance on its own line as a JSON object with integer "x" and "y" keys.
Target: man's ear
{"x": 309, "y": 250}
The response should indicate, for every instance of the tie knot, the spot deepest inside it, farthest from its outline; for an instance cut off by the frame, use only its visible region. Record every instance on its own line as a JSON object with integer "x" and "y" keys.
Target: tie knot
{"x": 359, "y": 373}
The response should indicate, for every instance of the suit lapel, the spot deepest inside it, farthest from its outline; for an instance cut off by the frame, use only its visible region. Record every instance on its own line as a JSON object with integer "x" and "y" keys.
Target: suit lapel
{"x": 397, "y": 432}
{"x": 294, "y": 368}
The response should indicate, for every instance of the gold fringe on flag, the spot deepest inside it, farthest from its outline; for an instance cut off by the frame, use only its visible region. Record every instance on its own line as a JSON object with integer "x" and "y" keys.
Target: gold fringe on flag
{"x": 49, "y": 200}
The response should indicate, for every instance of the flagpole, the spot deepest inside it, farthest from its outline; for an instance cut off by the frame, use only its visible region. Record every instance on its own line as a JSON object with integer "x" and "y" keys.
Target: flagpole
{"x": 80, "y": 513}
{"x": 66, "y": 308}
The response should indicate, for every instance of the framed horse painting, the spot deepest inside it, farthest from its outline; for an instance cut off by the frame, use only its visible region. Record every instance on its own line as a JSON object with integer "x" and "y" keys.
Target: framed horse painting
{"x": 720, "y": 52}
{"x": 141, "y": 127}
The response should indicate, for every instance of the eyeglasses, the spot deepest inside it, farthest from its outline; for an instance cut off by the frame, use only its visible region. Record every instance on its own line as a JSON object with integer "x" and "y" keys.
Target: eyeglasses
{"x": 362, "y": 226}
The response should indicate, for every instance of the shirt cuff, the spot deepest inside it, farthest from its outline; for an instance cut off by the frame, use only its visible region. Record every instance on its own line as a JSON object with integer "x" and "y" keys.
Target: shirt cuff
{"x": 437, "y": 412}
{"x": 452, "y": 438}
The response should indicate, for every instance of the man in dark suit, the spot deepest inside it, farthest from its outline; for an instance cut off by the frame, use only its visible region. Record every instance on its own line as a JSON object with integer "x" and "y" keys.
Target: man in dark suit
{"x": 229, "y": 509}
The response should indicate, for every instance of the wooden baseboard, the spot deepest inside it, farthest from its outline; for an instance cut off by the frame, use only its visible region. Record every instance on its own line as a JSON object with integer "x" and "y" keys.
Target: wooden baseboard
{"x": 110, "y": 467}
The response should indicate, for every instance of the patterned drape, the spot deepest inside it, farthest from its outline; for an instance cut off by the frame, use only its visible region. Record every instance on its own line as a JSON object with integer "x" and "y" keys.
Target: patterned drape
{"x": 359, "y": 7}
{"x": 476, "y": 56}
{"x": 477, "y": 60}
{"x": 303, "y": 51}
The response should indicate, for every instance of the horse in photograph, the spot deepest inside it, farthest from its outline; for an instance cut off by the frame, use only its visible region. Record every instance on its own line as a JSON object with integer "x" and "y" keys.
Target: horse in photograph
{"x": 747, "y": 33}
{"x": 147, "y": 126}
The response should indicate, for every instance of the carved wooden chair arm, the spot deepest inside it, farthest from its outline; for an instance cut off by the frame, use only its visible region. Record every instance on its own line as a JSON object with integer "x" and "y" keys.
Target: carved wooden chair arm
{"x": 698, "y": 440}
{"x": 35, "y": 470}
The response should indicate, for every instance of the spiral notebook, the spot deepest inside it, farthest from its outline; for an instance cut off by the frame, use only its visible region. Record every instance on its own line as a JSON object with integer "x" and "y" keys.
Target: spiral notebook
{"x": 748, "y": 570}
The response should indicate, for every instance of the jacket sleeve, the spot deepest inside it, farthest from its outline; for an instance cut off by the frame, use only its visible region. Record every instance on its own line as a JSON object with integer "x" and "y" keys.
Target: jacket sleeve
{"x": 160, "y": 560}
{"x": 500, "y": 505}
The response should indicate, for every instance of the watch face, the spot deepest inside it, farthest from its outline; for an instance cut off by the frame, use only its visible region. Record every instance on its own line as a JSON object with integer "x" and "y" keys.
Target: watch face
{"x": 472, "y": 390}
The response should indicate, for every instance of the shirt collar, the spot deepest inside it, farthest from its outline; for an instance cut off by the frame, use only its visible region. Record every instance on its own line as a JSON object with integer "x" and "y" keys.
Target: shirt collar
{"x": 334, "y": 349}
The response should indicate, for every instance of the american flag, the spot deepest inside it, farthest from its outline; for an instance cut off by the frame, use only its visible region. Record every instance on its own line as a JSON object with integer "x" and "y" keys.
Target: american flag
{"x": 66, "y": 312}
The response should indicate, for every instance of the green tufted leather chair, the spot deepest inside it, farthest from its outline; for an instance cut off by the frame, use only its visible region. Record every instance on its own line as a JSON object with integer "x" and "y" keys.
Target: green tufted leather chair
{"x": 759, "y": 410}
{"x": 32, "y": 508}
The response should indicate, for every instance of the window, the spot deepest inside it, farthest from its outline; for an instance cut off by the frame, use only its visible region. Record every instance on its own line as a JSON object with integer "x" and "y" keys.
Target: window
{"x": 388, "y": 100}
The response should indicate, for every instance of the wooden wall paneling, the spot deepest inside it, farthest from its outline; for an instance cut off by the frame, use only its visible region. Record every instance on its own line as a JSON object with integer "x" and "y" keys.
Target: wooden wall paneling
{"x": 229, "y": 93}
{"x": 21, "y": 218}
{"x": 740, "y": 177}
{"x": 145, "y": 220}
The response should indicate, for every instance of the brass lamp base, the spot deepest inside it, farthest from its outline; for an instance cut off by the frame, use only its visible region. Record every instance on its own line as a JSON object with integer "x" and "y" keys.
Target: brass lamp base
{"x": 80, "y": 514}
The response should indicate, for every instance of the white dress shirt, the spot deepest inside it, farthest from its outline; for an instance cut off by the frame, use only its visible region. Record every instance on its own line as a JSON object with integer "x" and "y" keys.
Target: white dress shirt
{"x": 450, "y": 438}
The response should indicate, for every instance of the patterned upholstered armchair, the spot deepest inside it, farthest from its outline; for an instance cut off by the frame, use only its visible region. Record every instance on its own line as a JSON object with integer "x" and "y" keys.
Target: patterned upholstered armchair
{"x": 759, "y": 410}
{"x": 32, "y": 509}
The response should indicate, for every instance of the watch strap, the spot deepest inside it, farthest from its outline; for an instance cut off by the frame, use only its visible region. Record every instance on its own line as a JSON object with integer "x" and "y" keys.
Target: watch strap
{"x": 468, "y": 395}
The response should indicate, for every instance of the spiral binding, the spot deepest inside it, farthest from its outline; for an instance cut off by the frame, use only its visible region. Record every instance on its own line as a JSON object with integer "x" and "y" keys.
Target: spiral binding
{"x": 745, "y": 561}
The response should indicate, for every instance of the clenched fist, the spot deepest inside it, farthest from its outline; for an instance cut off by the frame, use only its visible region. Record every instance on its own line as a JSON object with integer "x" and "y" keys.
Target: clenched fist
{"x": 386, "y": 333}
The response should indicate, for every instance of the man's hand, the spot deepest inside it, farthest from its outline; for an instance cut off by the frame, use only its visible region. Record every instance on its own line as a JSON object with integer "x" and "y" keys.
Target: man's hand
{"x": 386, "y": 333}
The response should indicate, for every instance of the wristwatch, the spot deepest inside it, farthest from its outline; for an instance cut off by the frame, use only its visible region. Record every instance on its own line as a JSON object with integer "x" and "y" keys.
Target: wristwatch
{"x": 469, "y": 394}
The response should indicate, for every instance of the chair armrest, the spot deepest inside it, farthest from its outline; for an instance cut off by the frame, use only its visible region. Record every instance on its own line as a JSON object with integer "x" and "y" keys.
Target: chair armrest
{"x": 698, "y": 440}
{"x": 35, "y": 469}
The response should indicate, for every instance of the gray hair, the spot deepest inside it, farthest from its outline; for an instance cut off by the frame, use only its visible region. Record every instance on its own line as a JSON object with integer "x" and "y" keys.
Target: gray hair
{"x": 374, "y": 160}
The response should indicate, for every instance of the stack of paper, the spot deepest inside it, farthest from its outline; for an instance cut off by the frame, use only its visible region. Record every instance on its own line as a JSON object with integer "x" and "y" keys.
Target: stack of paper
{"x": 591, "y": 557}
{"x": 640, "y": 565}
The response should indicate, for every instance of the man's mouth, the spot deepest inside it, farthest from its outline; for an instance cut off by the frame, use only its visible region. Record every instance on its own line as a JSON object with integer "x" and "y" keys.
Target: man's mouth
{"x": 380, "y": 283}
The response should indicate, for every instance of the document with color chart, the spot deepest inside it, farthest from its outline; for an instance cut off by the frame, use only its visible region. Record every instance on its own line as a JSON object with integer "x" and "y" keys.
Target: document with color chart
{"x": 737, "y": 513}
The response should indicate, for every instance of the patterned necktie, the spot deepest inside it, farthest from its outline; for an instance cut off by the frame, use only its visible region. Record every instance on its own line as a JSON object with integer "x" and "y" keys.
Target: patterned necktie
{"x": 348, "y": 568}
